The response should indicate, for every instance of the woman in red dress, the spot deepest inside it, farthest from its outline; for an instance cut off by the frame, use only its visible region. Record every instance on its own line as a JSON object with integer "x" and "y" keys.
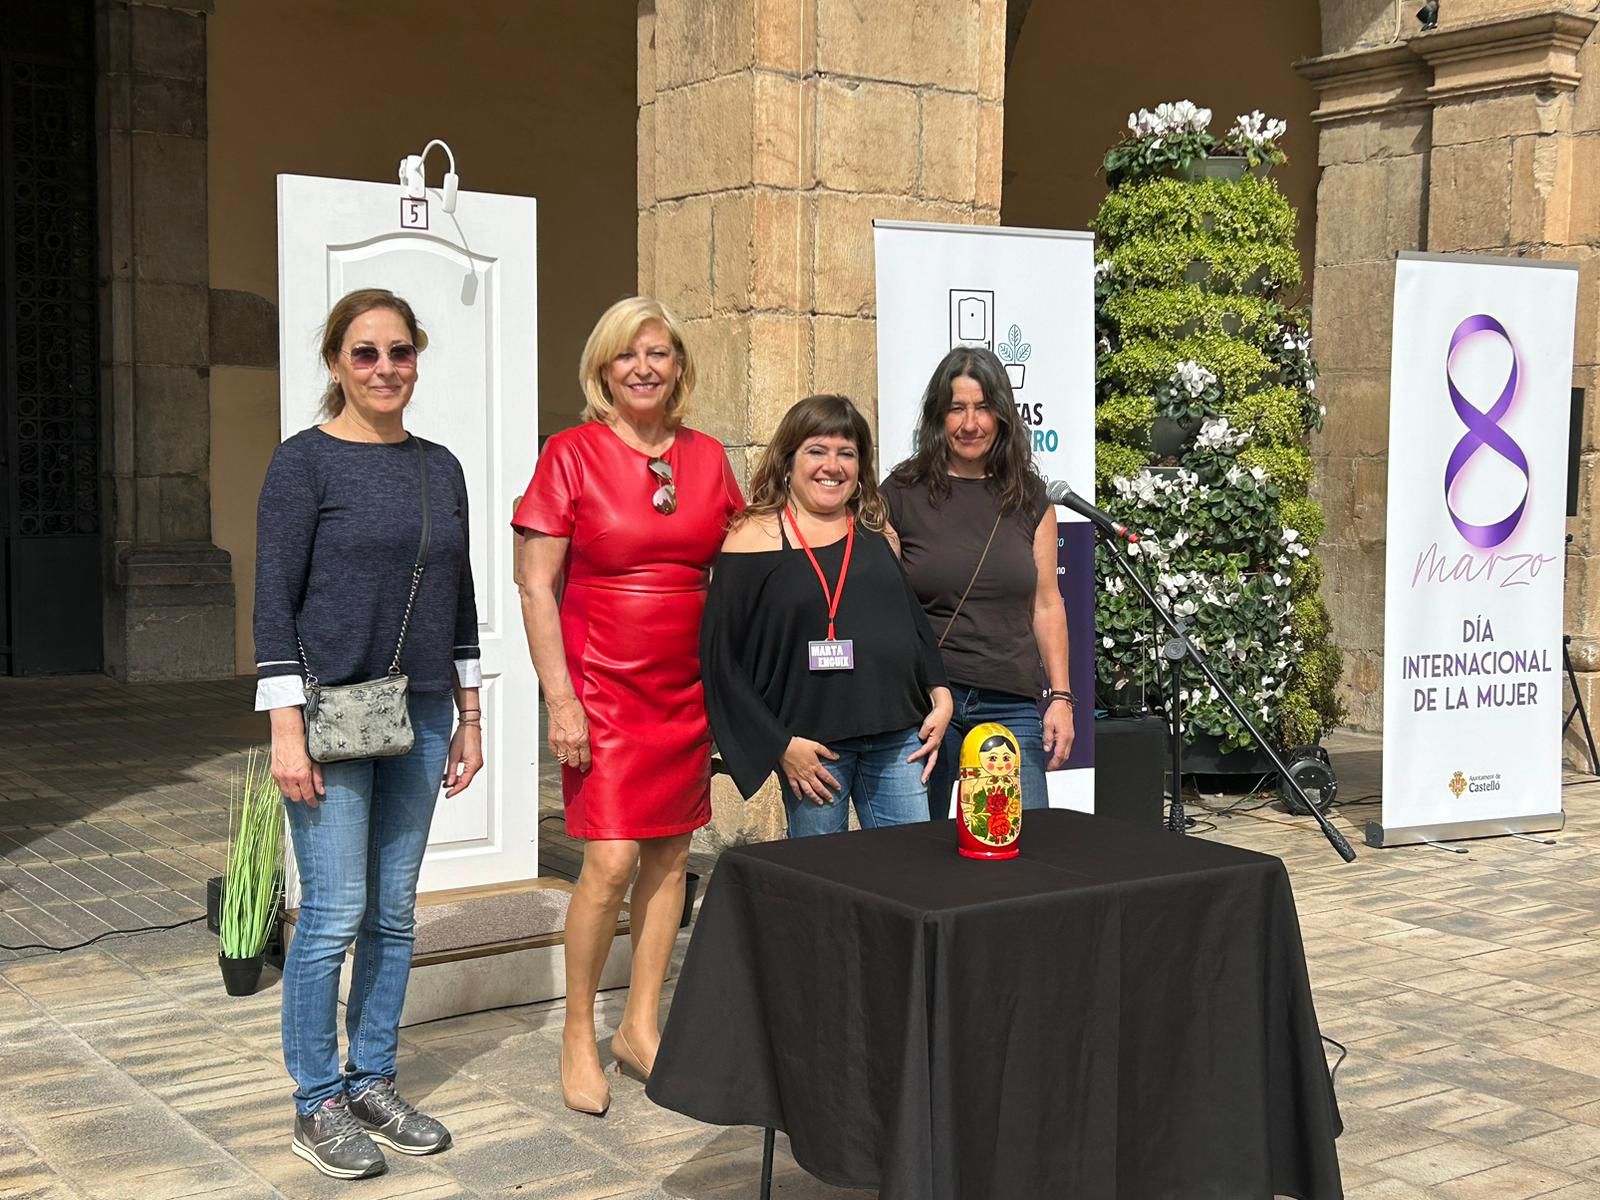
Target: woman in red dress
{"x": 620, "y": 525}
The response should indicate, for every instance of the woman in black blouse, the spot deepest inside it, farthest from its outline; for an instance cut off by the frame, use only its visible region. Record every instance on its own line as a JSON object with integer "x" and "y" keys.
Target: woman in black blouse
{"x": 817, "y": 659}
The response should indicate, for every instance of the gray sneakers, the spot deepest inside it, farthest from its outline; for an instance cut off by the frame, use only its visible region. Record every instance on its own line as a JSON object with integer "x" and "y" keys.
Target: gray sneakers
{"x": 390, "y": 1120}
{"x": 332, "y": 1141}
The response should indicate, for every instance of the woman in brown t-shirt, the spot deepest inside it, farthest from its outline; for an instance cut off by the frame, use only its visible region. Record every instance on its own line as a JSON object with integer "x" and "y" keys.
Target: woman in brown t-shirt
{"x": 971, "y": 485}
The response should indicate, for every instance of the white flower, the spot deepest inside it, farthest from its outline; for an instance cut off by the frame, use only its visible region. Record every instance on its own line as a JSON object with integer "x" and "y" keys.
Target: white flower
{"x": 1280, "y": 580}
{"x": 1102, "y": 269}
{"x": 1257, "y": 129}
{"x": 1311, "y": 387}
{"x": 1322, "y": 411}
{"x": 1108, "y": 642}
{"x": 1186, "y": 608}
{"x": 1289, "y": 535}
{"x": 1192, "y": 378}
{"x": 1257, "y": 474}
{"x": 1179, "y": 538}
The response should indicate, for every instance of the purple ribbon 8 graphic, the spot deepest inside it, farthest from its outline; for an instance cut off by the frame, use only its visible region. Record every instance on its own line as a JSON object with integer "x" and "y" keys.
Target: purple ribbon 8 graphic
{"x": 1483, "y": 429}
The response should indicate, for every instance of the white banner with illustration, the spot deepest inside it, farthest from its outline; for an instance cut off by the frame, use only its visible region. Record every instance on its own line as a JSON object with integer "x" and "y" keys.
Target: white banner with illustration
{"x": 1478, "y": 417}
{"x": 1027, "y": 295}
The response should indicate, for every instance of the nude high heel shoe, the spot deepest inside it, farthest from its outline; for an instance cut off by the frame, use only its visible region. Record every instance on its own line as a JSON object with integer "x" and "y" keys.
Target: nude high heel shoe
{"x": 628, "y": 1063}
{"x": 589, "y": 1096}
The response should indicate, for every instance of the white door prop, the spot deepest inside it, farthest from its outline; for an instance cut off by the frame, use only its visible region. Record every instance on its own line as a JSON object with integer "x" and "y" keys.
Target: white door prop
{"x": 1479, "y": 400}
{"x": 1027, "y": 295}
{"x": 466, "y": 263}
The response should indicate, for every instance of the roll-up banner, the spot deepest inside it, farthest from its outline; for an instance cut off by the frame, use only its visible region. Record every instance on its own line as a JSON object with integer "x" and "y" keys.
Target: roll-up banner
{"x": 1027, "y": 295}
{"x": 1480, "y": 388}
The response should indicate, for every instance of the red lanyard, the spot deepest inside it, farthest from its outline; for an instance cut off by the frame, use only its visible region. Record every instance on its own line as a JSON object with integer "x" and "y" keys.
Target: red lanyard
{"x": 832, "y": 597}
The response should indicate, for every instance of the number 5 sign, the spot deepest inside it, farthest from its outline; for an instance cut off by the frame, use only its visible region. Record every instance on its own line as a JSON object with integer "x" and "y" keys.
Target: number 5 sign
{"x": 413, "y": 212}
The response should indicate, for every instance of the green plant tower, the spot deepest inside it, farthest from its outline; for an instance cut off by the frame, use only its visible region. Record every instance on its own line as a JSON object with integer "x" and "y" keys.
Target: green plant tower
{"x": 1206, "y": 400}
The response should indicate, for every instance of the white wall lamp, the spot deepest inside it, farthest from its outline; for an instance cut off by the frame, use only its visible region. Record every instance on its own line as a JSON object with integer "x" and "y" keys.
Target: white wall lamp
{"x": 413, "y": 180}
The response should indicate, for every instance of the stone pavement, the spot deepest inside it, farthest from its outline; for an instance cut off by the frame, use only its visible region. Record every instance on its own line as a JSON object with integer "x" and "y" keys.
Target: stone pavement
{"x": 1467, "y": 989}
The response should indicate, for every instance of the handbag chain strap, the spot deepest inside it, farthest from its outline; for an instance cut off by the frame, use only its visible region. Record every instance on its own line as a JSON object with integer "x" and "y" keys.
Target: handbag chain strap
{"x": 950, "y": 624}
{"x": 416, "y": 573}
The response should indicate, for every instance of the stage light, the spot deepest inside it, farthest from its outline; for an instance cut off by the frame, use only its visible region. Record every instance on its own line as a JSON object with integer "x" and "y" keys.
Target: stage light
{"x": 413, "y": 177}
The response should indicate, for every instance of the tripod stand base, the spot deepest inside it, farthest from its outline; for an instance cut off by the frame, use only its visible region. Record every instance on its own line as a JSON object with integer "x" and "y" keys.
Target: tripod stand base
{"x": 1382, "y": 838}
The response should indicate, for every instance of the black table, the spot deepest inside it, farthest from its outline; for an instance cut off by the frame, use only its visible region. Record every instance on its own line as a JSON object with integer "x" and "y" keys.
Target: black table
{"x": 1118, "y": 1014}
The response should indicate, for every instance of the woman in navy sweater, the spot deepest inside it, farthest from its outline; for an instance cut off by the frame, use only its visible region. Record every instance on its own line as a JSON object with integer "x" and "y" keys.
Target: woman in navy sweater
{"x": 338, "y": 530}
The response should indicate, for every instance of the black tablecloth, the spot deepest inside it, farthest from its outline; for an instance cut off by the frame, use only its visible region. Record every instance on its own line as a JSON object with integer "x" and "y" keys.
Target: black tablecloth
{"x": 1118, "y": 1014}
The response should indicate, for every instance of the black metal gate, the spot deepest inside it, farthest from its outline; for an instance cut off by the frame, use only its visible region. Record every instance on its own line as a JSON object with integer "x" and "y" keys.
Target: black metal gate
{"x": 50, "y": 513}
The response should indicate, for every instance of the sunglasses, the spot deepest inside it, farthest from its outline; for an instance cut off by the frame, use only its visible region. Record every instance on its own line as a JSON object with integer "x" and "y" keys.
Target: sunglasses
{"x": 402, "y": 355}
{"x": 665, "y": 499}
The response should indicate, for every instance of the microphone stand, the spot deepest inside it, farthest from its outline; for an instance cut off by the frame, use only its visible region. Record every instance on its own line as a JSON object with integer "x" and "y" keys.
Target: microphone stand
{"x": 1178, "y": 648}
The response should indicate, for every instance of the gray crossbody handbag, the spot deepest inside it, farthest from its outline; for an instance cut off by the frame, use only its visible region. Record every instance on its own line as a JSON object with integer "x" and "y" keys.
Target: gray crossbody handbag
{"x": 368, "y": 720}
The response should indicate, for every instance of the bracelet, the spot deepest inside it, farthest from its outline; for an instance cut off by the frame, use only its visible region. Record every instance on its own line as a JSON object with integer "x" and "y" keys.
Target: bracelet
{"x": 465, "y": 711}
{"x": 1055, "y": 694}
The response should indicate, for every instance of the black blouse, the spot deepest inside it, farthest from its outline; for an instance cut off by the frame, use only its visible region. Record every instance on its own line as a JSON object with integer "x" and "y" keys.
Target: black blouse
{"x": 763, "y": 610}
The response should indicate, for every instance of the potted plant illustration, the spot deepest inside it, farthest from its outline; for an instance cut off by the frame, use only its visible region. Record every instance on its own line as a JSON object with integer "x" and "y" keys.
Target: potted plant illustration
{"x": 1014, "y": 353}
{"x": 252, "y": 883}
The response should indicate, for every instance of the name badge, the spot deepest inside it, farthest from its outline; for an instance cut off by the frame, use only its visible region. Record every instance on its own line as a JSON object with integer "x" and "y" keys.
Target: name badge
{"x": 833, "y": 656}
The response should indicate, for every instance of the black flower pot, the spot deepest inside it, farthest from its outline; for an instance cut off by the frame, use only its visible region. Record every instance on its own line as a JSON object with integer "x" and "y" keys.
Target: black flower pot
{"x": 1169, "y": 435}
{"x": 240, "y": 976}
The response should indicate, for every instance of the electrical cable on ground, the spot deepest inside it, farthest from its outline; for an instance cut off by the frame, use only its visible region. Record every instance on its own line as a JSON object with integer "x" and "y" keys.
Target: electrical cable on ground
{"x": 108, "y": 933}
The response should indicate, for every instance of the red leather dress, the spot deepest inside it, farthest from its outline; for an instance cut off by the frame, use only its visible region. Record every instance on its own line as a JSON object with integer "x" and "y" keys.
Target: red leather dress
{"x": 634, "y": 590}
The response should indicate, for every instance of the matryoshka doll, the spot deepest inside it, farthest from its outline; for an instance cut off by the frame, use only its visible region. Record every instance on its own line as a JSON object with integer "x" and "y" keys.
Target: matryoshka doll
{"x": 991, "y": 793}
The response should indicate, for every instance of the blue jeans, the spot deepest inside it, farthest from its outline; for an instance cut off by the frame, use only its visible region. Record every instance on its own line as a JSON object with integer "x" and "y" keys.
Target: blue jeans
{"x": 974, "y": 706}
{"x": 873, "y": 772}
{"x": 359, "y": 853}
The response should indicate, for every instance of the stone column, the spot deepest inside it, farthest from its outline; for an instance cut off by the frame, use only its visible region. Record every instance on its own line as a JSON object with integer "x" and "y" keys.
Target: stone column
{"x": 1480, "y": 137}
{"x": 169, "y": 601}
{"x": 1374, "y": 126}
{"x": 771, "y": 134}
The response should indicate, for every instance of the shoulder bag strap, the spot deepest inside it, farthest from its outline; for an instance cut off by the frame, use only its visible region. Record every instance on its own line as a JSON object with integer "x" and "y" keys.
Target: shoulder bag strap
{"x": 422, "y": 554}
{"x": 981, "y": 559}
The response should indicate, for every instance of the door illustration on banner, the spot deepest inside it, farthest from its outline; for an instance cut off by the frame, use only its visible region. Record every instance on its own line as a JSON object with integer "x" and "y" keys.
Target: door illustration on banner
{"x": 470, "y": 276}
{"x": 971, "y": 318}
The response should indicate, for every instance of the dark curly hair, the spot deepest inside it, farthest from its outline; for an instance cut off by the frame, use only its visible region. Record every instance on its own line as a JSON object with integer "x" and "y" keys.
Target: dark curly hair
{"x": 1009, "y": 465}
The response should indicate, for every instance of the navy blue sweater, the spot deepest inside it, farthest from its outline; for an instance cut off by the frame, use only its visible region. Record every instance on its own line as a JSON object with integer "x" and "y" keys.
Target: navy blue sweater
{"x": 337, "y": 530}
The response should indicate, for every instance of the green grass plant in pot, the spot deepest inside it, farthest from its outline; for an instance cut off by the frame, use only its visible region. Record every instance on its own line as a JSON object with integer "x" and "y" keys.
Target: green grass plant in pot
{"x": 252, "y": 884}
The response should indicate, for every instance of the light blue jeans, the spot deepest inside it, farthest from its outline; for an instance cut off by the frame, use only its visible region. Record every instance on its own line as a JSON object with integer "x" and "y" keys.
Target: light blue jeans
{"x": 974, "y": 706}
{"x": 873, "y": 772}
{"x": 359, "y": 853}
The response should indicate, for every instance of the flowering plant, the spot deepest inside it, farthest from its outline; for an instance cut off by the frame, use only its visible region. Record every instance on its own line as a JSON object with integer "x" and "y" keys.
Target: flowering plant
{"x": 1168, "y": 138}
{"x": 1189, "y": 393}
{"x": 1255, "y": 136}
{"x": 1226, "y": 528}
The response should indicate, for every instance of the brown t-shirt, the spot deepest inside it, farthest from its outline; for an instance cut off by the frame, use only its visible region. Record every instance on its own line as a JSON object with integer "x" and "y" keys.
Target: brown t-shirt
{"x": 991, "y": 644}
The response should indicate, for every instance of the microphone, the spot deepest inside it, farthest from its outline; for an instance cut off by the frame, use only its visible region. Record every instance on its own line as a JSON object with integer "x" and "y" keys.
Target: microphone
{"x": 1060, "y": 492}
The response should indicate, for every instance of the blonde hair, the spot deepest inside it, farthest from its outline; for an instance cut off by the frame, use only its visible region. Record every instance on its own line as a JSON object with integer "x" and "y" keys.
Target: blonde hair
{"x": 817, "y": 416}
{"x": 341, "y": 316}
{"x": 612, "y": 334}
